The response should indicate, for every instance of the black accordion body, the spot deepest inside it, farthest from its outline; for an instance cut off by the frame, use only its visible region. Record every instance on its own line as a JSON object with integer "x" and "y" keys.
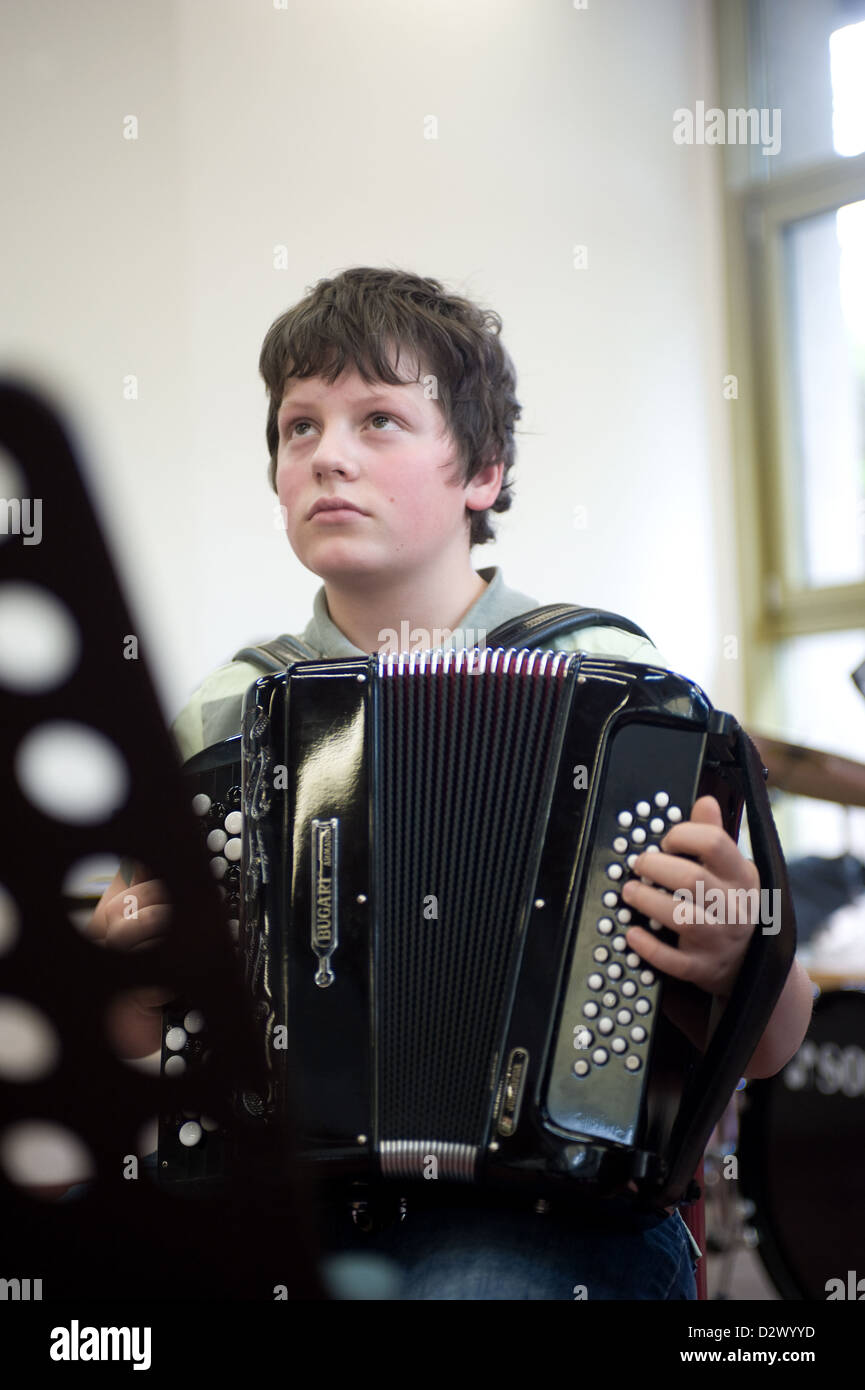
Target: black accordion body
{"x": 427, "y": 896}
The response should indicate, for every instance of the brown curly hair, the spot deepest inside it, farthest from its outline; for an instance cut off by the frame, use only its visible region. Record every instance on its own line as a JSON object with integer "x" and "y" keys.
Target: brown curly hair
{"x": 358, "y": 317}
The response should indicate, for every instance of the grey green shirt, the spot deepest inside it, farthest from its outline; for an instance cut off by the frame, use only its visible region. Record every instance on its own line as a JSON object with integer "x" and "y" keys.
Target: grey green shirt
{"x": 213, "y": 712}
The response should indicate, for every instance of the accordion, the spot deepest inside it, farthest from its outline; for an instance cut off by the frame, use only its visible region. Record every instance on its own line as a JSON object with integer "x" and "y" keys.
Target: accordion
{"x": 422, "y": 858}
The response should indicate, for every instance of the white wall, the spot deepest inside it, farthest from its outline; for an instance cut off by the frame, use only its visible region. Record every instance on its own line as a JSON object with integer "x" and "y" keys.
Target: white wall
{"x": 305, "y": 126}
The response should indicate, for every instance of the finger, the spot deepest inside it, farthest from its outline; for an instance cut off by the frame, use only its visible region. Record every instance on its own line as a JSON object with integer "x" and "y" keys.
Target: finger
{"x": 149, "y": 925}
{"x": 659, "y": 954}
{"x": 652, "y": 902}
{"x": 667, "y": 871}
{"x": 148, "y": 893}
{"x": 151, "y": 997}
{"x": 96, "y": 930}
{"x": 706, "y": 811}
{"x": 704, "y": 837}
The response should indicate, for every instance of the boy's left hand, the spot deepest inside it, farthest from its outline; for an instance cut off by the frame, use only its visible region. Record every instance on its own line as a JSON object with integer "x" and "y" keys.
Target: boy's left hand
{"x": 709, "y": 953}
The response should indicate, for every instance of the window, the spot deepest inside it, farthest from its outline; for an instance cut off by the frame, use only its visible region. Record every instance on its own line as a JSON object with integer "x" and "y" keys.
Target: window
{"x": 796, "y": 234}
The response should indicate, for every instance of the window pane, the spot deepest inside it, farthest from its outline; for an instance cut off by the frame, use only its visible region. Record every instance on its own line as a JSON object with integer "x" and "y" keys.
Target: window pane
{"x": 825, "y": 270}
{"x": 823, "y": 709}
{"x": 807, "y": 60}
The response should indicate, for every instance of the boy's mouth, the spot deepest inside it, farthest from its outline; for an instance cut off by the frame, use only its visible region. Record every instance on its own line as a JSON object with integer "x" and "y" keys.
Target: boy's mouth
{"x": 333, "y": 506}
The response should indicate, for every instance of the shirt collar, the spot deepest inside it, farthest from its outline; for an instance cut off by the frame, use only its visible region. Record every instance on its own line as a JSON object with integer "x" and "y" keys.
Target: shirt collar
{"x": 497, "y": 604}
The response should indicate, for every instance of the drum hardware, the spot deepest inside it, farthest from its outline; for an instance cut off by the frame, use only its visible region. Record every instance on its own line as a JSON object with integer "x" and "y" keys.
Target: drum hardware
{"x": 802, "y": 1135}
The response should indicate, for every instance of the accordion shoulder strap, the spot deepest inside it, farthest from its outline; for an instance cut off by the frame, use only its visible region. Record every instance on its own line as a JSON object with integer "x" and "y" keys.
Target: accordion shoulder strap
{"x": 276, "y": 655}
{"x": 540, "y": 624}
{"x": 527, "y": 630}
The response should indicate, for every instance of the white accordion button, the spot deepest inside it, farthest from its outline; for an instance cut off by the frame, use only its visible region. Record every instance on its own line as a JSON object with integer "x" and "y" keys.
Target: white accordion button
{"x": 605, "y": 1025}
{"x": 610, "y": 899}
{"x": 643, "y": 809}
{"x": 209, "y": 1124}
{"x": 638, "y": 1033}
{"x": 629, "y": 989}
{"x": 215, "y": 840}
{"x": 194, "y": 1021}
{"x": 218, "y": 865}
{"x": 631, "y": 860}
{"x": 619, "y": 1045}
{"x": 233, "y": 850}
{"x": 674, "y": 814}
{"x": 601, "y": 954}
{"x": 605, "y": 926}
{"x": 625, "y": 819}
{"x": 201, "y": 804}
{"x": 638, "y": 835}
{"x": 595, "y": 982}
{"x": 619, "y": 943}
{"x": 175, "y": 1039}
{"x": 647, "y": 977}
{"x": 632, "y": 959}
{"x": 643, "y": 1006}
{"x": 654, "y": 924}
{"x": 624, "y": 915}
{"x": 657, "y": 826}
{"x": 189, "y": 1134}
{"x": 615, "y": 971}
{"x": 653, "y": 849}
{"x": 633, "y": 1063}
{"x": 620, "y": 844}
{"x": 591, "y": 1009}
{"x": 614, "y": 871}
{"x": 174, "y": 1065}
{"x": 600, "y": 1055}
{"x": 581, "y": 1068}
{"x": 233, "y": 822}
{"x": 609, "y": 1000}
{"x": 662, "y": 799}
{"x": 624, "y": 1016}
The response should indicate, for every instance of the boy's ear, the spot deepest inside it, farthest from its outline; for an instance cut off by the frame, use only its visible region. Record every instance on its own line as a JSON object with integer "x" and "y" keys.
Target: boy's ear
{"x": 485, "y": 487}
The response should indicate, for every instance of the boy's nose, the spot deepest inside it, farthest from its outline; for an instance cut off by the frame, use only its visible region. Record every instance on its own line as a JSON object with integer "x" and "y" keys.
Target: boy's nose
{"x": 332, "y": 461}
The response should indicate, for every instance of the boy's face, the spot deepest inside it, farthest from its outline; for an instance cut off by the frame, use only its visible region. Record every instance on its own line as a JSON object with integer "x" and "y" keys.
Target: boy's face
{"x": 383, "y": 449}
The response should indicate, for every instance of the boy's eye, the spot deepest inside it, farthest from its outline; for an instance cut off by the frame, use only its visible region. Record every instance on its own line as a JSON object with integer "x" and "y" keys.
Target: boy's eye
{"x": 294, "y": 424}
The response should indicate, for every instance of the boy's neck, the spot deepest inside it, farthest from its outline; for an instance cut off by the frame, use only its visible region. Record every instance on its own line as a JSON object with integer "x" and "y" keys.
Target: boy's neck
{"x": 364, "y": 613}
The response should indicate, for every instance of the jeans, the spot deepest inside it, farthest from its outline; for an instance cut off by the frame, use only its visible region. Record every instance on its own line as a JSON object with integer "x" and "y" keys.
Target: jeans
{"x": 486, "y": 1254}
{"x": 465, "y": 1254}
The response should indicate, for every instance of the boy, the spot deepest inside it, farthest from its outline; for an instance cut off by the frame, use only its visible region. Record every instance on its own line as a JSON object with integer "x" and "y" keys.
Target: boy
{"x": 386, "y": 517}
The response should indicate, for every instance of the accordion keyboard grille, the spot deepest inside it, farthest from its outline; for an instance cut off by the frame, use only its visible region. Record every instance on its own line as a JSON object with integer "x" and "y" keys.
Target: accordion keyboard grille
{"x": 466, "y": 773}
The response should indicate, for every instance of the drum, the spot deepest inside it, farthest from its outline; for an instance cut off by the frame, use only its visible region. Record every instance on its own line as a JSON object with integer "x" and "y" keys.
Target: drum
{"x": 802, "y": 1156}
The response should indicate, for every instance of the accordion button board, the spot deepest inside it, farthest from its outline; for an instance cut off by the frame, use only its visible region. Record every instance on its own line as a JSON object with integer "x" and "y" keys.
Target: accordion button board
{"x": 612, "y": 999}
{"x": 194, "y": 1146}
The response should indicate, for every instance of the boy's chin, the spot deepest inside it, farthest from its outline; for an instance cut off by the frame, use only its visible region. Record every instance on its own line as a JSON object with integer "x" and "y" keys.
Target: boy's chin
{"x": 344, "y": 568}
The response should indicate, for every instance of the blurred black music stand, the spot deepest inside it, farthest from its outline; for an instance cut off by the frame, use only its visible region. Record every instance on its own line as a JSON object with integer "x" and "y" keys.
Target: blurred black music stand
{"x": 123, "y": 1238}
